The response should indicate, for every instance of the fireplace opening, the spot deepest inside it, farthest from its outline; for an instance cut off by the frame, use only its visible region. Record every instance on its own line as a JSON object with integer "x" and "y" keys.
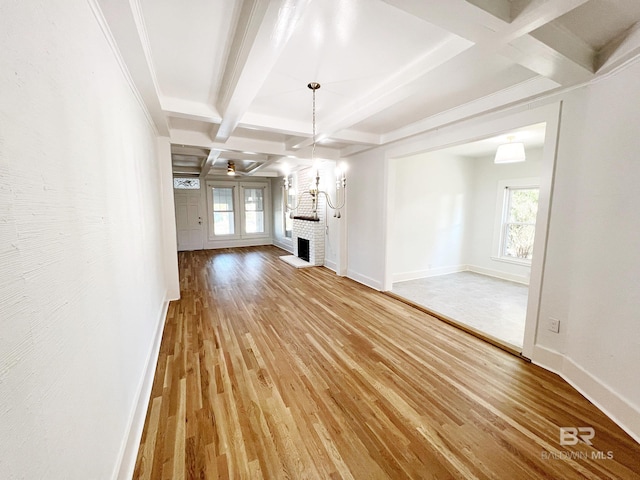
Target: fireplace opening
{"x": 303, "y": 249}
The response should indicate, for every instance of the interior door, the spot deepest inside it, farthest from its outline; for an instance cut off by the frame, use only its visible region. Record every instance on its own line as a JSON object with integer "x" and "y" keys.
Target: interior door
{"x": 189, "y": 221}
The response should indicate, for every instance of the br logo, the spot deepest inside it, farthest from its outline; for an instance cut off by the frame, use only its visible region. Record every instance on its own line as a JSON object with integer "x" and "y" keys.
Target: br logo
{"x": 572, "y": 435}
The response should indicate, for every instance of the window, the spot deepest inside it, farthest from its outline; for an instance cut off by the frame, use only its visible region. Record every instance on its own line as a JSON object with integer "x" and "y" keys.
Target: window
{"x": 291, "y": 201}
{"x": 519, "y": 222}
{"x": 223, "y": 218}
{"x": 186, "y": 183}
{"x": 237, "y": 211}
{"x": 253, "y": 210}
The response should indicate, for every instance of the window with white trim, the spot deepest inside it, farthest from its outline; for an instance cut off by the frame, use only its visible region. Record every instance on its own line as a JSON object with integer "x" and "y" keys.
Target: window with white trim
{"x": 253, "y": 209}
{"x": 238, "y": 210}
{"x": 520, "y": 208}
{"x": 291, "y": 201}
{"x": 223, "y": 211}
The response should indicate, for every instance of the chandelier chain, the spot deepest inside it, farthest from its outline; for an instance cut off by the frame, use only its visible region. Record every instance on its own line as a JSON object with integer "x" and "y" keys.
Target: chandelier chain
{"x": 313, "y": 149}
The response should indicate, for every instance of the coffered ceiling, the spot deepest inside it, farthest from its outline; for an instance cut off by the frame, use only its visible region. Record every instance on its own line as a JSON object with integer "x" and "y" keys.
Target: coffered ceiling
{"x": 227, "y": 79}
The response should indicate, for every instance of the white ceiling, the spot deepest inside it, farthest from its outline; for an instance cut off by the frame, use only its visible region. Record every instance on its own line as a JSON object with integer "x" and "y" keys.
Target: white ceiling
{"x": 227, "y": 79}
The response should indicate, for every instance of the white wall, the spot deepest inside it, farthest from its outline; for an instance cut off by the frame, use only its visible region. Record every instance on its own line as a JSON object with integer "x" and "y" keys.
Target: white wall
{"x": 366, "y": 220}
{"x": 82, "y": 270}
{"x": 444, "y": 211}
{"x": 431, "y": 201}
{"x": 481, "y": 239}
{"x": 592, "y": 281}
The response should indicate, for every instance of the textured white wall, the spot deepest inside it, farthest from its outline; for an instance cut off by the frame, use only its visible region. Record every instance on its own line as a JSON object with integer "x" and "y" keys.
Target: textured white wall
{"x": 82, "y": 279}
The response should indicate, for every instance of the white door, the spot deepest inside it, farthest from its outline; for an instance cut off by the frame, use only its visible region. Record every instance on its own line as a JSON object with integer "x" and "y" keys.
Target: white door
{"x": 189, "y": 221}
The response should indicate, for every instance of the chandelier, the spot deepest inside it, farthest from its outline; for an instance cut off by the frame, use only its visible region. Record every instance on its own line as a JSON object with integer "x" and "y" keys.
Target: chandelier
{"x": 314, "y": 188}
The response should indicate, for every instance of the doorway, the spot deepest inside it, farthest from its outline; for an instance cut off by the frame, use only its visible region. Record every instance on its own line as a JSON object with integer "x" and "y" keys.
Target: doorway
{"x": 463, "y": 235}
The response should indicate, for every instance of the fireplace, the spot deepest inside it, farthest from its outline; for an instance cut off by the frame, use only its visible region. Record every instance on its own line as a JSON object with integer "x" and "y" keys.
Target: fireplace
{"x": 303, "y": 249}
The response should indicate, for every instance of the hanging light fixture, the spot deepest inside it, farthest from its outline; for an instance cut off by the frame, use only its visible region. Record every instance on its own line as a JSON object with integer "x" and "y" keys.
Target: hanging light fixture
{"x": 511, "y": 152}
{"x": 314, "y": 189}
{"x": 231, "y": 168}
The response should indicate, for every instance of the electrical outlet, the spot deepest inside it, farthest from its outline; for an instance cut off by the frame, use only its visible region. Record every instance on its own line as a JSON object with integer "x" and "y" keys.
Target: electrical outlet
{"x": 554, "y": 325}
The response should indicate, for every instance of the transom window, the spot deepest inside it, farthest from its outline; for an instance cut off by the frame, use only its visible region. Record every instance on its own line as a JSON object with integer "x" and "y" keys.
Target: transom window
{"x": 186, "y": 183}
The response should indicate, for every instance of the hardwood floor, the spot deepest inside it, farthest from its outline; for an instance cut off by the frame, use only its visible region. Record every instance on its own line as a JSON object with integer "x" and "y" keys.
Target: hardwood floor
{"x": 266, "y": 371}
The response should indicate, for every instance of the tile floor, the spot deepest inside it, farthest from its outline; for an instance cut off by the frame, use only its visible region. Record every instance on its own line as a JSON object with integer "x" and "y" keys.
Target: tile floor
{"x": 494, "y": 306}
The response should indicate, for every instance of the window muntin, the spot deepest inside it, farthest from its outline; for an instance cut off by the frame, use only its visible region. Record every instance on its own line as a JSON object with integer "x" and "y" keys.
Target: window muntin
{"x": 223, "y": 211}
{"x": 519, "y": 223}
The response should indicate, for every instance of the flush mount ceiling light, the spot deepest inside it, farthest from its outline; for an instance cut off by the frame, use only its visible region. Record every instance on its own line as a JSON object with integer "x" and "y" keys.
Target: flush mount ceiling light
{"x": 314, "y": 189}
{"x": 511, "y": 152}
{"x": 231, "y": 168}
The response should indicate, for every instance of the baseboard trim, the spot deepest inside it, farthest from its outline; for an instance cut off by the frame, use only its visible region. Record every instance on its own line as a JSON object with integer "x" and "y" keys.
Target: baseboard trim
{"x": 432, "y": 272}
{"x": 363, "y": 279}
{"x": 129, "y": 450}
{"x": 614, "y": 406}
{"x": 331, "y": 265}
{"x": 435, "y": 272}
{"x": 284, "y": 246}
{"x": 617, "y": 408}
{"x": 498, "y": 274}
{"x": 547, "y": 359}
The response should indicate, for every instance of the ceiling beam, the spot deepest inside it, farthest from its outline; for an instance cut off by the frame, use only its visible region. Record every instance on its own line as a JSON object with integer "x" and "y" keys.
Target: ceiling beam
{"x": 208, "y": 163}
{"x": 487, "y": 24}
{"x": 180, "y": 108}
{"x": 271, "y": 159}
{"x": 124, "y": 30}
{"x": 262, "y": 32}
{"x": 488, "y": 103}
{"x": 393, "y": 89}
{"x": 527, "y": 37}
{"x": 619, "y": 51}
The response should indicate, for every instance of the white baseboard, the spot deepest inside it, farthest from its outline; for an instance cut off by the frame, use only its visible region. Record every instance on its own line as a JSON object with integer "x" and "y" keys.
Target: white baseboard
{"x": 129, "y": 450}
{"x": 499, "y": 274}
{"x": 246, "y": 242}
{"x": 286, "y": 246}
{"x": 547, "y": 359}
{"x": 331, "y": 265}
{"x": 363, "y": 279}
{"x": 432, "y": 272}
{"x": 617, "y": 408}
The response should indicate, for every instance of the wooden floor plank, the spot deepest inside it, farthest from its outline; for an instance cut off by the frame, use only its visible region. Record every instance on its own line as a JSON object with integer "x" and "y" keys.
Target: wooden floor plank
{"x": 267, "y": 371}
